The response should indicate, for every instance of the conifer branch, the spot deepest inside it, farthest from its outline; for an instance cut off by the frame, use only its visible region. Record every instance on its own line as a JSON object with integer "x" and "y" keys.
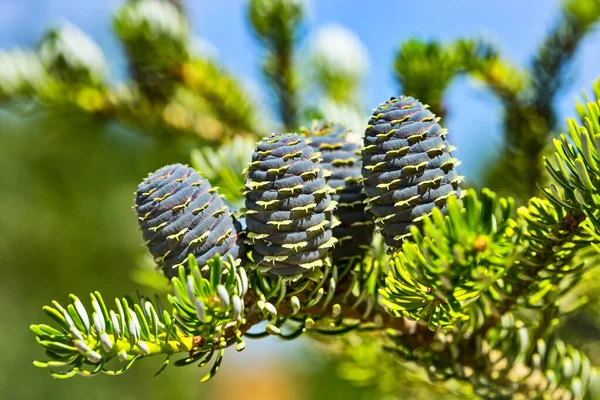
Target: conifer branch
{"x": 276, "y": 25}
{"x": 174, "y": 90}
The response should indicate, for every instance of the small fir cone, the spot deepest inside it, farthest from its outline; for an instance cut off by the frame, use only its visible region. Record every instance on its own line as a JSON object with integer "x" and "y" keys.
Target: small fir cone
{"x": 289, "y": 208}
{"x": 180, "y": 214}
{"x": 341, "y": 159}
{"x": 407, "y": 166}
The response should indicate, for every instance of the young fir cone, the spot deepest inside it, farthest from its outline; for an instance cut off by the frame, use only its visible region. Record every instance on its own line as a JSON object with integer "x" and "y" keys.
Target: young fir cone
{"x": 289, "y": 208}
{"x": 407, "y": 166}
{"x": 341, "y": 159}
{"x": 180, "y": 214}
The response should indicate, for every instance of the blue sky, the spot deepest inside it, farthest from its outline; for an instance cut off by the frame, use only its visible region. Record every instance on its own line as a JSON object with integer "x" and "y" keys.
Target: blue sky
{"x": 516, "y": 26}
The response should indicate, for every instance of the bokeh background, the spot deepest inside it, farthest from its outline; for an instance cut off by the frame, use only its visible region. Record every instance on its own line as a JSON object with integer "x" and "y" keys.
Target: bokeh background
{"x": 73, "y": 146}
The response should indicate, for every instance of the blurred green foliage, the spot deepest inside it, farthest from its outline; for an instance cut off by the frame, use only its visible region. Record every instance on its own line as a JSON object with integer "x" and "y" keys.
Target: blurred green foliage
{"x": 277, "y": 24}
{"x": 173, "y": 90}
{"x": 155, "y": 35}
{"x": 425, "y": 70}
{"x": 224, "y": 167}
{"x": 365, "y": 364}
{"x": 528, "y": 96}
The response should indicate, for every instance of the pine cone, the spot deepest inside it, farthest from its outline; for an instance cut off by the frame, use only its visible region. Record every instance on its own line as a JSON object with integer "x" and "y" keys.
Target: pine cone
{"x": 342, "y": 160}
{"x": 180, "y": 214}
{"x": 407, "y": 166}
{"x": 289, "y": 208}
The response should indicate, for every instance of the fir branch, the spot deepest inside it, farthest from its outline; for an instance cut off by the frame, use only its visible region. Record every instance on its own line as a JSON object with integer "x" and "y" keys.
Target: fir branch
{"x": 548, "y": 69}
{"x": 207, "y": 316}
{"x": 485, "y": 334}
{"x": 576, "y": 167}
{"x": 550, "y": 241}
{"x": 425, "y": 70}
{"x": 452, "y": 262}
{"x": 529, "y": 101}
{"x": 203, "y": 311}
{"x": 155, "y": 34}
{"x": 276, "y": 25}
{"x": 172, "y": 92}
{"x": 222, "y": 93}
{"x": 335, "y": 301}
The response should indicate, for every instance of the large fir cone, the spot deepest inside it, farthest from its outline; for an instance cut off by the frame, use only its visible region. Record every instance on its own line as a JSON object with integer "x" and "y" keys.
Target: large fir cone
{"x": 407, "y": 166}
{"x": 342, "y": 160}
{"x": 180, "y": 214}
{"x": 289, "y": 208}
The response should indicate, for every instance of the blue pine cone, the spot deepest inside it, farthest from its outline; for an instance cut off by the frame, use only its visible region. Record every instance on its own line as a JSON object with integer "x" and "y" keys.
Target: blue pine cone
{"x": 342, "y": 160}
{"x": 407, "y": 166}
{"x": 289, "y": 208}
{"x": 180, "y": 214}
